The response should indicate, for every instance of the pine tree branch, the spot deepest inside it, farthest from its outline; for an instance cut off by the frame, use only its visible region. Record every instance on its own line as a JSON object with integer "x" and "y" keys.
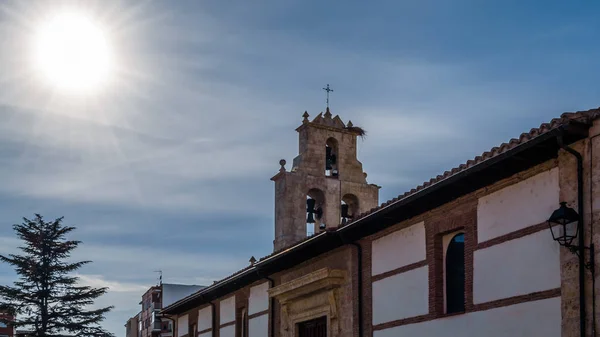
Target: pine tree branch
{"x": 46, "y": 296}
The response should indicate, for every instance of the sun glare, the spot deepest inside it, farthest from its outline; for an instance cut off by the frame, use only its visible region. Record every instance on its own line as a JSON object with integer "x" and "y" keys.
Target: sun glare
{"x": 72, "y": 53}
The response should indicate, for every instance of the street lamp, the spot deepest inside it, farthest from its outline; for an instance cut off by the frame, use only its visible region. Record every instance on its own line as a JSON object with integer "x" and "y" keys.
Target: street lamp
{"x": 565, "y": 225}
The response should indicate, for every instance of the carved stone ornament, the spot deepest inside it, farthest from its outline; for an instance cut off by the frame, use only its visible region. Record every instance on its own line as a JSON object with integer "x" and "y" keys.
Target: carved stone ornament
{"x": 308, "y": 297}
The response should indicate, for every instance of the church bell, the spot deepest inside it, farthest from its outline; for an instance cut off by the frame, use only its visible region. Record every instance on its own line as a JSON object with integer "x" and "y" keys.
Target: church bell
{"x": 345, "y": 211}
{"x": 330, "y": 159}
{"x": 310, "y": 209}
{"x": 345, "y": 215}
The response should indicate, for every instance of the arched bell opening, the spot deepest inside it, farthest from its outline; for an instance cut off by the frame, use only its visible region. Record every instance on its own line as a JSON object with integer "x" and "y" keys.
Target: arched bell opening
{"x": 331, "y": 158}
{"x": 349, "y": 208}
{"x": 315, "y": 207}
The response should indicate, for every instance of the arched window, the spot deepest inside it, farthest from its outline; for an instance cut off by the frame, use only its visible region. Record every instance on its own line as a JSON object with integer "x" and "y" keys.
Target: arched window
{"x": 315, "y": 207}
{"x": 244, "y": 324}
{"x": 331, "y": 158}
{"x": 349, "y": 208}
{"x": 455, "y": 274}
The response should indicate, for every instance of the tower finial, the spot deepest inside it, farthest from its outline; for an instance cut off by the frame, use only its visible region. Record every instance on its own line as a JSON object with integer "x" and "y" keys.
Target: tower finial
{"x": 328, "y": 90}
{"x": 282, "y": 163}
{"x": 305, "y": 115}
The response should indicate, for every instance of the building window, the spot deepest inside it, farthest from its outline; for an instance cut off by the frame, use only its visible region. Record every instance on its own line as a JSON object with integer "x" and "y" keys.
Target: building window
{"x": 3, "y": 325}
{"x": 455, "y": 274}
{"x": 243, "y": 323}
{"x": 313, "y": 328}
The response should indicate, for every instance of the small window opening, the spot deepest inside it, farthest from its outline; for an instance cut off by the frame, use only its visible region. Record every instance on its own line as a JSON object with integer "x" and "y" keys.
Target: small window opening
{"x": 242, "y": 323}
{"x": 455, "y": 274}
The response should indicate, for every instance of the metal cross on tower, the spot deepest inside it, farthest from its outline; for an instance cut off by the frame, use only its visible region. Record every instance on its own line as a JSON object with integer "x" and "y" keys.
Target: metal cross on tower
{"x": 328, "y": 91}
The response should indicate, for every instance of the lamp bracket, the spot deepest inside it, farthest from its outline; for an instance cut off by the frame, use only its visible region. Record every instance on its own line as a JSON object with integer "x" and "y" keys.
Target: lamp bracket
{"x": 590, "y": 264}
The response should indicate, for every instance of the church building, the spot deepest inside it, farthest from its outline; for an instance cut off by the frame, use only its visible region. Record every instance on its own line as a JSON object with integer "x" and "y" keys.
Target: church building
{"x": 502, "y": 245}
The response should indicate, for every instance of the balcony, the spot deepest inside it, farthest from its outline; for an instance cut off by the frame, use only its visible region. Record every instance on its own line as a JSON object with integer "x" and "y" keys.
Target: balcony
{"x": 156, "y": 306}
{"x": 156, "y": 326}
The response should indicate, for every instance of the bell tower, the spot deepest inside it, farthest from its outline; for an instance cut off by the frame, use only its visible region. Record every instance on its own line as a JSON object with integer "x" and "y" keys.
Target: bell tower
{"x": 326, "y": 186}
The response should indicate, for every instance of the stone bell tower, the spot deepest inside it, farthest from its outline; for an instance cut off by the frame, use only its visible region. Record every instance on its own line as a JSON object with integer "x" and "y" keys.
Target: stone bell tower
{"x": 326, "y": 185}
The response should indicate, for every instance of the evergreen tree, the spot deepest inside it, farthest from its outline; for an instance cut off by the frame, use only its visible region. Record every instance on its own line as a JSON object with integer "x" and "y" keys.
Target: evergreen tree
{"x": 47, "y": 298}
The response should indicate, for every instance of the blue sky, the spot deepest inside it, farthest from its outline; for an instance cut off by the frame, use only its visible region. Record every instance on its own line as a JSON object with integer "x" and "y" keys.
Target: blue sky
{"x": 169, "y": 167}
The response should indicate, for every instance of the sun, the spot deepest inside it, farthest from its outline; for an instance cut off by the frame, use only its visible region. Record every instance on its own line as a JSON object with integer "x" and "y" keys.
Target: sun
{"x": 72, "y": 53}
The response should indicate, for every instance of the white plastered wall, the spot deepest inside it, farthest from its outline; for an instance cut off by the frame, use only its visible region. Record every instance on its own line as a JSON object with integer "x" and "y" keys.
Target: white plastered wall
{"x": 182, "y": 325}
{"x": 259, "y": 298}
{"x": 206, "y": 334}
{"x": 228, "y": 331}
{"x": 401, "y": 296}
{"x": 398, "y": 249}
{"x": 538, "y": 318}
{"x": 520, "y": 205}
{"x": 205, "y": 318}
{"x": 517, "y": 267}
{"x": 259, "y": 326}
{"x": 227, "y": 310}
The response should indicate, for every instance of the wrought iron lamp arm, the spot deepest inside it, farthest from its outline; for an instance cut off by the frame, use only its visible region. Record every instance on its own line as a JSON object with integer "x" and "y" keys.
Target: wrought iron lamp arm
{"x": 590, "y": 264}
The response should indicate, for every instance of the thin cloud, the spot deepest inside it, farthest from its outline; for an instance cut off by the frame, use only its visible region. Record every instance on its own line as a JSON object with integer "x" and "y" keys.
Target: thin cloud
{"x": 205, "y": 101}
{"x": 99, "y": 281}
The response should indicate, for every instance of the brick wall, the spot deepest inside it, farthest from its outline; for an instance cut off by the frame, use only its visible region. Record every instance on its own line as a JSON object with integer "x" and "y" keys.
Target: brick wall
{"x": 241, "y": 302}
{"x": 9, "y": 331}
{"x": 458, "y": 215}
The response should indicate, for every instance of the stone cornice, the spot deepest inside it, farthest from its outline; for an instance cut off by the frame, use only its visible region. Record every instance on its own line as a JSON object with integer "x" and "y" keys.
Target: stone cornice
{"x": 320, "y": 280}
{"x": 325, "y": 127}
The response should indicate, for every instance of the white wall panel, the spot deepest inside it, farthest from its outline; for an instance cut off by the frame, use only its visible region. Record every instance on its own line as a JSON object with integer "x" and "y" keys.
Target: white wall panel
{"x": 401, "y": 296}
{"x": 227, "y": 310}
{"x": 516, "y": 267}
{"x": 524, "y": 204}
{"x": 228, "y": 331}
{"x": 182, "y": 325}
{"x": 205, "y": 318}
{"x": 539, "y": 318}
{"x": 259, "y": 298}
{"x": 259, "y": 326}
{"x": 398, "y": 249}
{"x": 206, "y": 334}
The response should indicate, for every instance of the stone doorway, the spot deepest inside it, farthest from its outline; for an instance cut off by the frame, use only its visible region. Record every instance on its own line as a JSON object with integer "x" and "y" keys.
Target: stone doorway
{"x": 310, "y": 304}
{"x": 314, "y": 328}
